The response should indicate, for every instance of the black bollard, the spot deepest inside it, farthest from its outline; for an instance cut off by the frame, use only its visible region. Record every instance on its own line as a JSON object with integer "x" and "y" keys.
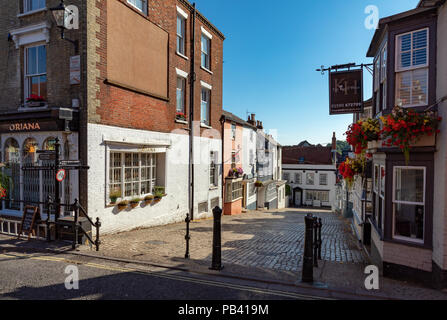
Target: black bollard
{"x": 315, "y": 225}
{"x": 97, "y": 241}
{"x": 320, "y": 242}
{"x": 187, "y": 237}
{"x": 308, "y": 271}
{"x": 75, "y": 223}
{"x": 217, "y": 240}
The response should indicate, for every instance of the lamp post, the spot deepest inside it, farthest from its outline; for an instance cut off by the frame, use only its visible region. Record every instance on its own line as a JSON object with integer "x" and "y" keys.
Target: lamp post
{"x": 61, "y": 14}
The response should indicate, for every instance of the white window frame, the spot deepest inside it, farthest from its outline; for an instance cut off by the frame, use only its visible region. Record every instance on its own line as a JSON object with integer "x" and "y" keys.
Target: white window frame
{"x": 183, "y": 94}
{"x": 28, "y": 10}
{"x": 308, "y": 174}
{"x": 326, "y": 181}
{"x": 401, "y": 70}
{"x": 233, "y": 131}
{"x": 394, "y": 201}
{"x": 153, "y": 166}
{"x": 300, "y": 179}
{"x": 133, "y": 4}
{"x": 206, "y": 121}
{"x": 181, "y": 36}
{"x": 286, "y": 176}
{"x": 206, "y": 36}
{"x": 26, "y": 76}
{"x": 214, "y": 169}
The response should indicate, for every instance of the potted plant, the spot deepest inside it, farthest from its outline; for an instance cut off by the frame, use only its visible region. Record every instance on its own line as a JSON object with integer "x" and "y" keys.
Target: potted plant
{"x": 180, "y": 116}
{"x": 148, "y": 199}
{"x": 134, "y": 202}
{"x": 159, "y": 194}
{"x": 123, "y": 205}
{"x": 259, "y": 184}
{"x": 35, "y": 101}
{"x": 404, "y": 128}
{"x": 235, "y": 172}
{"x": 114, "y": 195}
{"x": 351, "y": 168}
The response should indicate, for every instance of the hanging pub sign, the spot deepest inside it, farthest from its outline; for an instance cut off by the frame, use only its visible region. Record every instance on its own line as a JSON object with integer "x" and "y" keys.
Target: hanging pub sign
{"x": 346, "y": 92}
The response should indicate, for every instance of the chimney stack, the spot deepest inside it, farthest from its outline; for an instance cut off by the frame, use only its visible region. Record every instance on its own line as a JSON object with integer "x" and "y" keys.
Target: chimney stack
{"x": 252, "y": 119}
{"x": 334, "y": 142}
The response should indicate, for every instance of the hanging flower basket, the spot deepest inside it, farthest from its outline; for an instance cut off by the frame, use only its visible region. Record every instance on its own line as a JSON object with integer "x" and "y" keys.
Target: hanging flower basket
{"x": 361, "y": 133}
{"x": 406, "y": 128}
{"x": 351, "y": 168}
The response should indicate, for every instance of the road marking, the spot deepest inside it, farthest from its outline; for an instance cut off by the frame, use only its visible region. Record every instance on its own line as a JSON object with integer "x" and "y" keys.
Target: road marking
{"x": 171, "y": 277}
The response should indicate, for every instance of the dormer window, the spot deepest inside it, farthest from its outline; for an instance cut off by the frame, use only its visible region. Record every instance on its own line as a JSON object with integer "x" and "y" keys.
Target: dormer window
{"x": 412, "y": 69}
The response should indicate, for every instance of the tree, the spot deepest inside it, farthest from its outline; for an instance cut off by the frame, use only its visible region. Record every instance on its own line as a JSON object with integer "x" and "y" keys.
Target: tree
{"x": 341, "y": 146}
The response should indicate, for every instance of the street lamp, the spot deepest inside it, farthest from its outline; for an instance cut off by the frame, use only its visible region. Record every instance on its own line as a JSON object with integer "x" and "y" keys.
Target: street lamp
{"x": 60, "y": 15}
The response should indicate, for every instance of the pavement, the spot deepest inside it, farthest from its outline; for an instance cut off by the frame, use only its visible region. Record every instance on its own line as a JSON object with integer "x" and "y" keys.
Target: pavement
{"x": 264, "y": 247}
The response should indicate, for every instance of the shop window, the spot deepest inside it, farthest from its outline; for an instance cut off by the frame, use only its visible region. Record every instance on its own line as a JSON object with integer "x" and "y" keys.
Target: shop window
{"x": 234, "y": 190}
{"x": 132, "y": 174}
{"x": 409, "y": 203}
{"x": 12, "y": 170}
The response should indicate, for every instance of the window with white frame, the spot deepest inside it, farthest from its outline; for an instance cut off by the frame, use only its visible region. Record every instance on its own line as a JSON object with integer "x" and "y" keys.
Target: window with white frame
{"x": 33, "y": 5}
{"x": 181, "y": 85}
{"x": 310, "y": 178}
{"x": 213, "y": 169}
{"x": 323, "y": 179}
{"x": 132, "y": 174}
{"x": 286, "y": 176}
{"x": 205, "y": 106}
{"x": 181, "y": 27}
{"x": 412, "y": 68}
{"x": 383, "y": 75}
{"x": 298, "y": 178}
{"x": 36, "y": 72}
{"x": 206, "y": 49}
{"x": 409, "y": 203}
{"x": 139, "y": 4}
{"x": 233, "y": 131}
{"x": 234, "y": 190}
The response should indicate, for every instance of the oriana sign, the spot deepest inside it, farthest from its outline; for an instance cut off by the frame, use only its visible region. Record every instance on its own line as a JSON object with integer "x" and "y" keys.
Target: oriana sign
{"x": 346, "y": 92}
{"x": 28, "y": 126}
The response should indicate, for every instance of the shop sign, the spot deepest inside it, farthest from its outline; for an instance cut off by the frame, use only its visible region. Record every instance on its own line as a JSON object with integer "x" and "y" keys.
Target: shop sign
{"x": 28, "y": 126}
{"x": 346, "y": 92}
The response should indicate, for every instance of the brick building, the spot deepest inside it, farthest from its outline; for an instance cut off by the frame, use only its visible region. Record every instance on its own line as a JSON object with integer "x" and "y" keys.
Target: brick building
{"x": 129, "y": 89}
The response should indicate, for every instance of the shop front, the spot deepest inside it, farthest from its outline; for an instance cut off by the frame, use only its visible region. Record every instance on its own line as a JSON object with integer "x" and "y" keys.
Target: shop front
{"x": 21, "y": 136}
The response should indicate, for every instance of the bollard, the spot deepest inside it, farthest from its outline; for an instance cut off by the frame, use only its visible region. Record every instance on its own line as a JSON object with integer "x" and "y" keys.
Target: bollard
{"x": 48, "y": 206}
{"x": 308, "y": 271}
{"x": 320, "y": 225}
{"x": 217, "y": 240}
{"x": 97, "y": 241}
{"x": 187, "y": 237}
{"x": 315, "y": 231}
{"x": 75, "y": 223}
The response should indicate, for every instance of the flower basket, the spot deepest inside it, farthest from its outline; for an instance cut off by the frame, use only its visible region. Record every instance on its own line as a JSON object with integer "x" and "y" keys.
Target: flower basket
{"x": 259, "y": 184}
{"x": 123, "y": 205}
{"x": 157, "y": 199}
{"x": 148, "y": 199}
{"x": 134, "y": 203}
{"x": 35, "y": 104}
{"x": 35, "y": 101}
{"x": 180, "y": 116}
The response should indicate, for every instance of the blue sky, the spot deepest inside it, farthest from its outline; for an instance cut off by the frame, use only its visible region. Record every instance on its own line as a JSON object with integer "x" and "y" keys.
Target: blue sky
{"x": 271, "y": 52}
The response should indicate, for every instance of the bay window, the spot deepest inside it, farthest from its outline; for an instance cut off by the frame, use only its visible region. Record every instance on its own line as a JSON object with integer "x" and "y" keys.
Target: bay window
{"x": 412, "y": 68}
{"x": 409, "y": 203}
{"x": 36, "y": 72}
{"x": 132, "y": 174}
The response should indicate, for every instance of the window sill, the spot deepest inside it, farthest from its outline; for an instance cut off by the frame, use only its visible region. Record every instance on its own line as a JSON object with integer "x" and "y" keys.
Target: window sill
{"x": 202, "y": 125}
{"x": 26, "y": 108}
{"x": 29, "y": 13}
{"x": 207, "y": 70}
{"x": 181, "y": 121}
{"x": 214, "y": 188}
{"x": 181, "y": 55}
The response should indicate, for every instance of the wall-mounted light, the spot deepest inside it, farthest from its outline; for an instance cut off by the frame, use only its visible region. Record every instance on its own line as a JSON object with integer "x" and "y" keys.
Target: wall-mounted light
{"x": 61, "y": 15}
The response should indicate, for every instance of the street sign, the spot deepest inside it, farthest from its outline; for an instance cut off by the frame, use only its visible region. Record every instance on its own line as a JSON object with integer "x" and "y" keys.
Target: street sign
{"x": 46, "y": 151}
{"x": 70, "y": 162}
{"x": 47, "y": 156}
{"x": 60, "y": 175}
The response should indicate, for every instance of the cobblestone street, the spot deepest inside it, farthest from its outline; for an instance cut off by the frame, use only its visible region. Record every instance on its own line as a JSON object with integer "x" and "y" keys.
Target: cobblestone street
{"x": 273, "y": 240}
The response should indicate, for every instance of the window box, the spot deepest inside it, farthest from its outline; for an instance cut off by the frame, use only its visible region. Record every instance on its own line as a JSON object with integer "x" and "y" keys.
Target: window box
{"x": 123, "y": 205}
{"x": 373, "y": 145}
{"x": 148, "y": 199}
{"x": 134, "y": 203}
{"x": 35, "y": 104}
{"x": 425, "y": 141}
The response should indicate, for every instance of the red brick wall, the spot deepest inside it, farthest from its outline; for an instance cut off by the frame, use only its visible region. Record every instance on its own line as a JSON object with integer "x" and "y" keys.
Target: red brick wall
{"x": 126, "y": 108}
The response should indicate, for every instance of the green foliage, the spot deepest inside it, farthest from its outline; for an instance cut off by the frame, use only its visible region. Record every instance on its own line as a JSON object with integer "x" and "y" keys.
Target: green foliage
{"x": 341, "y": 146}
{"x": 288, "y": 190}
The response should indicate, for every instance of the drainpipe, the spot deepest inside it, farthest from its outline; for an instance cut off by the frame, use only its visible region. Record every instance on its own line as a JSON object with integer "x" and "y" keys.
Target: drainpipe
{"x": 191, "y": 114}
{"x": 222, "y": 122}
